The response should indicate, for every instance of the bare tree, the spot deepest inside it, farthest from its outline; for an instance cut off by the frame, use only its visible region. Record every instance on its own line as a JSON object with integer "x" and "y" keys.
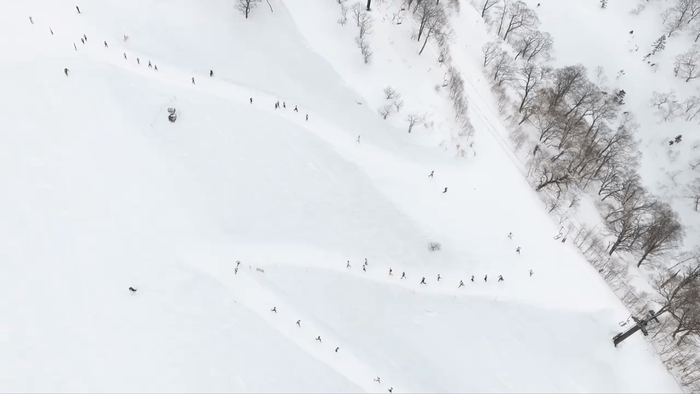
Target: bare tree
{"x": 343, "y": 15}
{"x": 385, "y": 110}
{"x": 658, "y": 45}
{"x": 694, "y": 193}
{"x": 664, "y": 232}
{"x": 356, "y": 12}
{"x": 391, "y": 93}
{"x": 533, "y": 45}
{"x": 363, "y": 44}
{"x": 246, "y": 6}
{"x": 503, "y": 13}
{"x": 680, "y": 16}
{"x": 529, "y": 79}
{"x": 491, "y": 50}
{"x": 503, "y": 69}
{"x": 365, "y": 24}
{"x": 414, "y": 119}
{"x": 688, "y": 64}
{"x": 486, "y": 6}
{"x": 435, "y": 26}
{"x": 520, "y": 17}
{"x": 398, "y": 104}
{"x": 426, "y": 12}
{"x": 680, "y": 292}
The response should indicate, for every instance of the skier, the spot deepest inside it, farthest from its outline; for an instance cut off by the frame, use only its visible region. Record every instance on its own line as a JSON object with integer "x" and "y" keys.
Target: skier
{"x": 364, "y": 268}
{"x": 77, "y": 8}
{"x": 75, "y": 47}
{"x": 472, "y": 278}
{"x": 431, "y": 174}
{"x": 500, "y": 278}
{"x": 155, "y": 67}
{"x": 391, "y": 389}
{"x": 82, "y": 40}
{"x": 295, "y": 109}
{"x": 378, "y": 380}
{"x": 31, "y": 20}
{"x": 348, "y": 266}
{"x": 438, "y": 277}
{"x": 518, "y": 249}
{"x": 486, "y": 278}
{"x": 51, "y": 30}
{"x": 192, "y": 80}
{"x": 251, "y": 100}
{"x": 366, "y": 263}
{"x": 284, "y": 104}
{"x": 237, "y": 263}
{"x": 510, "y": 235}
{"x": 318, "y": 338}
{"x": 85, "y": 37}
{"x": 390, "y": 271}
{"x": 138, "y": 61}
{"x": 106, "y": 46}
{"x": 531, "y": 272}
{"x": 358, "y": 139}
{"x": 149, "y": 64}
{"x": 307, "y": 117}
{"x": 274, "y": 309}
{"x": 403, "y": 275}
{"x": 461, "y": 284}
{"x": 422, "y": 281}
{"x": 211, "y": 73}
{"x": 299, "y": 323}
{"x": 444, "y": 191}
{"x": 235, "y": 271}
{"x": 124, "y": 55}
{"x": 336, "y": 349}
{"x": 65, "y": 71}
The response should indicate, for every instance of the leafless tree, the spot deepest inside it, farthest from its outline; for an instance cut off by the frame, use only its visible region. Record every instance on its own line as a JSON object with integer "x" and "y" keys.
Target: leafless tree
{"x": 681, "y": 15}
{"x": 520, "y": 17}
{"x": 680, "y": 293}
{"x": 491, "y": 50}
{"x": 435, "y": 27}
{"x": 246, "y": 6}
{"x": 414, "y": 119}
{"x": 365, "y": 24}
{"x": 398, "y": 104}
{"x": 687, "y": 65}
{"x": 664, "y": 232}
{"x": 694, "y": 193}
{"x": 691, "y": 106}
{"x": 391, "y": 93}
{"x": 503, "y": 69}
{"x": 385, "y": 110}
{"x": 343, "y": 15}
{"x": 486, "y": 6}
{"x": 528, "y": 81}
{"x": 426, "y": 12}
{"x": 363, "y": 44}
{"x": 503, "y": 10}
{"x": 533, "y": 45}
{"x": 356, "y": 12}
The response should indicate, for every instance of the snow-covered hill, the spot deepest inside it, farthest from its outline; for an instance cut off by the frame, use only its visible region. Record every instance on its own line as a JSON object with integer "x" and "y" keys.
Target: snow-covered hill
{"x": 101, "y": 192}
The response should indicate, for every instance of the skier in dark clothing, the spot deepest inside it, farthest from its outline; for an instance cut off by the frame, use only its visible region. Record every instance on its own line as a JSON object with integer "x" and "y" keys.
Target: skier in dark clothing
{"x": 390, "y": 271}
{"x": 518, "y": 249}
{"x": 486, "y": 278}
{"x": 438, "y": 278}
{"x": 378, "y": 380}
{"x": 510, "y": 235}
{"x": 211, "y": 73}
{"x": 85, "y": 37}
{"x": 318, "y": 338}
{"x": 192, "y": 80}
{"x": 444, "y": 191}
{"x": 155, "y": 67}
{"x": 149, "y": 64}
{"x": 472, "y": 278}
{"x": 65, "y": 71}
{"x": 295, "y": 109}
{"x": 336, "y": 349}
{"x": 77, "y": 8}
{"x": 284, "y": 104}
{"x": 307, "y": 116}
{"x": 251, "y": 100}
{"x": 299, "y": 323}
{"x": 461, "y": 284}
{"x": 422, "y": 281}
{"x": 82, "y": 40}
{"x": 500, "y": 278}
{"x": 403, "y": 275}
{"x": 431, "y": 174}
{"x": 51, "y": 30}
{"x": 124, "y": 55}
{"x": 364, "y": 268}
{"x": 75, "y": 47}
{"x": 106, "y": 46}
{"x": 274, "y": 309}
{"x": 348, "y": 265}
{"x": 391, "y": 389}
{"x": 138, "y": 61}
{"x": 531, "y": 272}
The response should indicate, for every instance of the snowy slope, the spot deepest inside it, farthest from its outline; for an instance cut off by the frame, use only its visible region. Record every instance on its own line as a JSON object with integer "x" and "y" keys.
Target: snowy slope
{"x": 101, "y": 193}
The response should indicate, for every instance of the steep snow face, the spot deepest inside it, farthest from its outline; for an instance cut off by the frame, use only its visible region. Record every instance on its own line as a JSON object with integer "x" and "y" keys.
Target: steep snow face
{"x": 102, "y": 193}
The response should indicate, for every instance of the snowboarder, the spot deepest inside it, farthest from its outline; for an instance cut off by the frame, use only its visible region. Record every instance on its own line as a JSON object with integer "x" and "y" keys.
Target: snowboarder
{"x": 337, "y": 348}
{"x": 138, "y": 61}
{"x": 65, "y": 71}
{"x": 422, "y": 281}
{"x": 510, "y": 235}
{"x": 486, "y": 278}
{"x": 431, "y": 174}
{"x": 348, "y": 265}
{"x": 296, "y": 109}
{"x": 531, "y": 272}
{"x": 472, "y": 278}
{"x": 318, "y": 338}
{"x": 378, "y": 380}
{"x": 500, "y": 278}
{"x": 149, "y": 64}
{"x": 124, "y": 55}
{"x": 403, "y": 275}
{"x": 517, "y": 249}
{"x": 358, "y": 139}
{"x": 307, "y": 117}
{"x": 274, "y": 309}
{"x": 444, "y": 191}
{"x": 299, "y": 323}
{"x": 192, "y": 80}
{"x": 82, "y": 40}
{"x": 77, "y": 8}
{"x": 251, "y": 100}
{"x": 31, "y": 20}
{"x": 211, "y": 73}
{"x": 461, "y": 284}
{"x": 106, "y": 46}
{"x": 438, "y": 278}
{"x": 390, "y": 271}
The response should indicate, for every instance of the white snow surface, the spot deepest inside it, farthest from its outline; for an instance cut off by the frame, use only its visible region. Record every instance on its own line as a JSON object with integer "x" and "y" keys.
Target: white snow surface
{"x": 101, "y": 192}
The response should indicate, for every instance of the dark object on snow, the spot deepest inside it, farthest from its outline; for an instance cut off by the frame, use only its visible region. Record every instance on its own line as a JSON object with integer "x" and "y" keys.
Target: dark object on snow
{"x": 77, "y": 8}
{"x": 422, "y": 281}
{"x": 431, "y": 174}
{"x": 391, "y": 389}
{"x": 518, "y": 249}
{"x": 531, "y": 272}
{"x": 82, "y": 40}
{"x": 75, "y": 47}
{"x": 172, "y": 117}
{"x": 299, "y": 323}
{"x": 307, "y": 116}
{"x": 192, "y": 80}
{"x": 318, "y": 338}
{"x": 461, "y": 283}
{"x": 391, "y": 271}
{"x": 348, "y": 265}
{"x": 124, "y": 55}
{"x": 85, "y": 37}
{"x": 106, "y": 46}
{"x": 336, "y": 349}
{"x": 211, "y": 73}
{"x": 284, "y": 104}
{"x": 155, "y": 67}
{"x": 486, "y": 278}
{"x": 296, "y": 109}
{"x": 472, "y": 278}
{"x": 444, "y": 191}
{"x": 149, "y": 64}
{"x": 138, "y": 61}
{"x": 364, "y": 268}
{"x": 274, "y": 309}
{"x": 403, "y": 275}
{"x": 438, "y": 277}
{"x": 251, "y": 100}
{"x": 51, "y": 30}
{"x": 31, "y": 20}
{"x": 378, "y": 380}
{"x": 500, "y": 278}
{"x": 65, "y": 71}
{"x": 131, "y": 289}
